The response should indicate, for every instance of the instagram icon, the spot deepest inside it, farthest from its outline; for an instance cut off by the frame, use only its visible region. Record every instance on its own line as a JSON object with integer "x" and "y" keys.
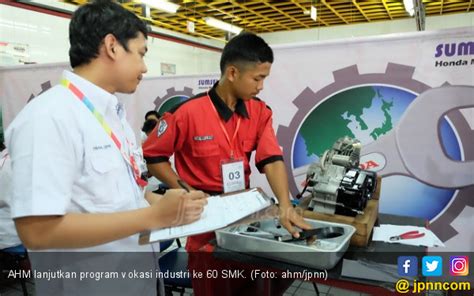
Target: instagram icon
{"x": 459, "y": 265}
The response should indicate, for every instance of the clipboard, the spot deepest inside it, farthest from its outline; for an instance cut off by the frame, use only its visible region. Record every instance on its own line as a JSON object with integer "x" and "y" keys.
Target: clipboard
{"x": 221, "y": 211}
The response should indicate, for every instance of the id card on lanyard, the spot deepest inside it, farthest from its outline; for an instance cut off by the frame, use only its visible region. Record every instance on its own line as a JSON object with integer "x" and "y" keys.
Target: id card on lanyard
{"x": 233, "y": 177}
{"x": 130, "y": 159}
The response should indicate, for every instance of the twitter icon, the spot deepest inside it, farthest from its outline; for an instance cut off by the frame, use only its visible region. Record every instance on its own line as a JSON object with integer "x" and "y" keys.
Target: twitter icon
{"x": 432, "y": 266}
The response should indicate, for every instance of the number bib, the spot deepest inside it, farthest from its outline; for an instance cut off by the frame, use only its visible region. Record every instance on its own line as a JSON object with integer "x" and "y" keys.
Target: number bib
{"x": 233, "y": 177}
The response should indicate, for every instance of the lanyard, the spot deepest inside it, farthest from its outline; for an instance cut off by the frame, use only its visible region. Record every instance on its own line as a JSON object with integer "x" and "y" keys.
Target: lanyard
{"x": 129, "y": 159}
{"x": 224, "y": 130}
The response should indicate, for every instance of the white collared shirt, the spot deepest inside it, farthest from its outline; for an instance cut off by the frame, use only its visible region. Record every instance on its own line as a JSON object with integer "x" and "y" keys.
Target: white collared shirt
{"x": 8, "y": 236}
{"x": 64, "y": 162}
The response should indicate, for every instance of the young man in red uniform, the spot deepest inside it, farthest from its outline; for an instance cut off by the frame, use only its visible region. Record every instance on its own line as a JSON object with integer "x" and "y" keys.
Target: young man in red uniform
{"x": 213, "y": 135}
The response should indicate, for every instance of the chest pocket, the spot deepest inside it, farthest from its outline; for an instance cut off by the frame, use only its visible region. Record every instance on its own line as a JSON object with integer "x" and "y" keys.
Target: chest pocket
{"x": 205, "y": 149}
{"x": 104, "y": 161}
{"x": 104, "y": 180}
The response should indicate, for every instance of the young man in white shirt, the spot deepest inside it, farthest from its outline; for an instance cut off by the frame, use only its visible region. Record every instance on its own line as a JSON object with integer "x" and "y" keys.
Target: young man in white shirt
{"x": 8, "y": 236}
{"x": 76, "y": 178}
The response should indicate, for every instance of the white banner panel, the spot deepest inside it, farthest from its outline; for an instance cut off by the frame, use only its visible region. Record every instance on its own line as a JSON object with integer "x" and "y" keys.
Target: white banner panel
{"x": 380, "y": 90}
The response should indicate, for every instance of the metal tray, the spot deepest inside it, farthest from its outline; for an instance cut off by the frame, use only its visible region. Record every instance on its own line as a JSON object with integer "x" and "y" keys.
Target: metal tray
{"x": 322, "y": 254}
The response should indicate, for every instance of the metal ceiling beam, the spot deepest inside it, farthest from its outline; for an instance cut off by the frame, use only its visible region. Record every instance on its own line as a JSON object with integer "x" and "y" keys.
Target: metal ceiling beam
{"x": 173, "y": 28}
{"x": 351, "y": 9}
{"x": 304, "y": 9}
{"x": 182, "y": 15}
{"x": 211, "y": 5}
{"x": 197, "y": 20}
{"x": 259, "y": 14}
{"x": 384, "y": 2}
{"x": 173, "y": 24}
{"x": 458, "y": 6}
{"x": 170, "y": 21}
{"x": 285, "y": 14}
{"x": 360, "y": 10}
{"x": 334, "y": 11}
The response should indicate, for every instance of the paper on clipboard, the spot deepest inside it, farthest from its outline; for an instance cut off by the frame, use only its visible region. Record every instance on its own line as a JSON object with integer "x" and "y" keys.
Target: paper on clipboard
{"x": 218, "y": 213}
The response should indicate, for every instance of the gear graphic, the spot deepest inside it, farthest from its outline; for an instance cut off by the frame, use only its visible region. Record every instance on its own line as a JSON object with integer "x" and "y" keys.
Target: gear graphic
{"x": 400, "y": 76}
{"x": 44, "y": 87}
{"x": 172, "y": 93}
{"x": 441, "y": 225}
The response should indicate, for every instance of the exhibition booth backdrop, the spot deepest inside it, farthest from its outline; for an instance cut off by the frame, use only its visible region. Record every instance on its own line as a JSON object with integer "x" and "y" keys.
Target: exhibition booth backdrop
{"x": 409, "y": 99}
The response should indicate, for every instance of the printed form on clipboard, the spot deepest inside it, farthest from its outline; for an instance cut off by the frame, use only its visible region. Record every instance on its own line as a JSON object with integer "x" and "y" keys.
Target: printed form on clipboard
{"x": 219, "y": 212}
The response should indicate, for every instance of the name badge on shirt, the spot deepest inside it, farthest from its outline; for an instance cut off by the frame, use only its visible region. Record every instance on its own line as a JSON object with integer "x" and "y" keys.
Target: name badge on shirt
{"x": 233, "y": 177}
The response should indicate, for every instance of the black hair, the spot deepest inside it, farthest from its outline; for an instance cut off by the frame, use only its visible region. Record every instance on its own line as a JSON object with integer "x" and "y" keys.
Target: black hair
{"x": 246, "y": 48}
{"x": 92, "y": 22}
{"x": 152, "y": 112}
{"x": 149, "y": 125}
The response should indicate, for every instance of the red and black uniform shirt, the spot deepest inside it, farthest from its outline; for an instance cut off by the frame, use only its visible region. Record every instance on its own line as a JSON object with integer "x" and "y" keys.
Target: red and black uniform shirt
{"x": 192, "y": 132}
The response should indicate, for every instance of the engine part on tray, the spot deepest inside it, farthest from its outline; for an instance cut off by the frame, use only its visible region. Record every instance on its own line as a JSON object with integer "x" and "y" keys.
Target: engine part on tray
{"x": 309, "y": 235}
{"x": 319, "y": 233}
{"x": 263, "y": 241}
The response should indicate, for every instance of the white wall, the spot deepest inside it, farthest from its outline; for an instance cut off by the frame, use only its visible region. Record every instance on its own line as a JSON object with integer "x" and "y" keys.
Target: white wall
{"x": 369, "y": 29}
{"x": 189, "y": 60}
{"x": 47, "y": 40}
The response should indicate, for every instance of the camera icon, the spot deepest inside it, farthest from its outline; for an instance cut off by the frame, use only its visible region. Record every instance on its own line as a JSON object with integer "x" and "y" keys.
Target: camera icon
{"x": 459, "y": 265}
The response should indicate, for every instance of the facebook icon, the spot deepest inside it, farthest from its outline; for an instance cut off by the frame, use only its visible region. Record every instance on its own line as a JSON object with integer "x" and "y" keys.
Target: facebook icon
{"x": 407, "y": 266}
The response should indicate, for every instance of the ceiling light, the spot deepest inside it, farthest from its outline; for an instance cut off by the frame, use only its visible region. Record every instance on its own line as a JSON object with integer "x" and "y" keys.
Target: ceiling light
{"x": 162, "y": 5}
{"x": 313, "y": 13}
{"x": 190, "y": 26}
{"x": 222, "y": 25}
{"x": 147, "y": 11}
{"x": 409, "y": 7}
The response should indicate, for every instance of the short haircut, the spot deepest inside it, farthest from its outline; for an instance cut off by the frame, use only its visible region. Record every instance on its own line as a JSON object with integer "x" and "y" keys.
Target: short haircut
{"x": 152, "y": 112}
{"x": 245, "y": 48}
{"x": 92, "y": 22}
{"x": 149, "y": 125}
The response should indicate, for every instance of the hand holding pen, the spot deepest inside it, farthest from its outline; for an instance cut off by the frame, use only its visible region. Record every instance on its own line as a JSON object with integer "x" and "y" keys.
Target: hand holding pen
{"x": 178, "y": 207}
{"x": 188, "y": 188}
{"x": 183, "y": 185}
